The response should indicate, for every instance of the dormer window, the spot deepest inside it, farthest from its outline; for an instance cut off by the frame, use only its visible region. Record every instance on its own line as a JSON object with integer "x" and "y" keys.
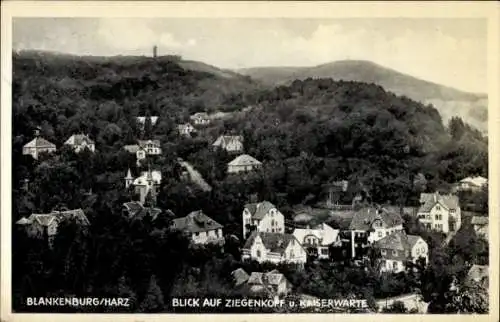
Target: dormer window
{"x": 438, "y": 207}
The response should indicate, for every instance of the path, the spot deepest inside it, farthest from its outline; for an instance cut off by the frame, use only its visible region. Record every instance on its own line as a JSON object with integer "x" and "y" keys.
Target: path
{"x": 195, "y": 176}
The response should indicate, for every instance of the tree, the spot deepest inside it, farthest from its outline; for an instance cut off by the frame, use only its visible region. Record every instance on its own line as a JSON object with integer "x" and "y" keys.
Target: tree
{"x": 396, "y": 307}
{"x": 153, "y": 301}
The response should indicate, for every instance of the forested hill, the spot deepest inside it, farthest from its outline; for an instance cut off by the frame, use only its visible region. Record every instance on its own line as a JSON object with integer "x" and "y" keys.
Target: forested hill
{"x": 70, "y": 89}
{"x": 450, "y": 102}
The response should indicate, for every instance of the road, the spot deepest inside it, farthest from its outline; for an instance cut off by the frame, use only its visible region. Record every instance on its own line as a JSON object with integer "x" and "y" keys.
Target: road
{"x": 195, "y": 176}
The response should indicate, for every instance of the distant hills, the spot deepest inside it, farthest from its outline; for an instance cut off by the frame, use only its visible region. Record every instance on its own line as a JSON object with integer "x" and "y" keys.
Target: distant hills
{"x": 472, "y": 107}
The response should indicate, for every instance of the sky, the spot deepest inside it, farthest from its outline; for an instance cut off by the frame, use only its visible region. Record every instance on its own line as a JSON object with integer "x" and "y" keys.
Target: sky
{"x": 451, "y": 51}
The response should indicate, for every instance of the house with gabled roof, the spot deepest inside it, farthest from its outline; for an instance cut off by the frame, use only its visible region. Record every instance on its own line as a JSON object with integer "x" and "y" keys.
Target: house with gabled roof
{"x": 376, "y": 222}
{"x": 144, "y": 148}
{"x": 440, "y": 212}
{"x": 274, "y": 248}
{"x": 398, "y": 248}
{"x": 136, "y": 210}
{"x": 318, "y": 238}
{"x": 40, "y": 225}
{"x": 243, "y": 163}
{"x": 272, "y": 283}
{"x": 480, "y": 224}
{"x": 186, "y": 129}
{"x": 80, "y": 142}
{"x": 230, "y": 143}
{"x": 475, "y": 183}
{"x": 200, "y": 118}
{"x": 38, "y": 145}
{"x": 147, "y": 183}
{"x": 262, "y": 216}
{"x": 200, "y": 228}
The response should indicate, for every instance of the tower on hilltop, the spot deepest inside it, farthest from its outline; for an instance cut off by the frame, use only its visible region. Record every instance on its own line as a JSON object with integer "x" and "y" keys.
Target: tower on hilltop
{"x": 155, "y": 51}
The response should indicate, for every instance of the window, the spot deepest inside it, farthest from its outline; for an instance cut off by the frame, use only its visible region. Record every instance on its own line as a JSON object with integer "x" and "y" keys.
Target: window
{"x": 324, "y": 251}
{"x": 438, "y": 217}
{"x": 438, "y": 207}
{"x": 272, "y": 230}
{"x": 197, "y": 234}
{"x": 272, "y": 222}
{"x": 258, "y": 253}
{"x": 452, "y": 211}
{"x": 379, "y": 234}
{"x": 395, "y": 265}
{"x": 383, "y": 252}
{"x": 386, "y": 233}
{"x": 292, "y": 255}
{"x": 394, "y": 253}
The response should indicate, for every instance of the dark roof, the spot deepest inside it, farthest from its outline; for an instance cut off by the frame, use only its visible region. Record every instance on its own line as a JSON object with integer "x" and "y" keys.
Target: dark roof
{"x": 397, "y": 241}
{"x": 479, "y": 220}
{"x": 274, "y": 242}
{"x": 39, "y": 142}
{"x": 137, "y": 210}
{"x": 142, "y": 143}
{"x": 196, "y": 221}
{"x": 364, "y": 218}
{"x": 239, "y": 276}
{"x": 259, "y": 209}
{"x": 429, "y": 200}
{"x": 76, "y": 215}
{"x": 78, "y": 139}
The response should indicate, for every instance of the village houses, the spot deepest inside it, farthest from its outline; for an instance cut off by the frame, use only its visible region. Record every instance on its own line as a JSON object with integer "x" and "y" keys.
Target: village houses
{"x": 398, "y": 248}
{"x": 319, "y": 239}
{"x": 147, "y": 182}
{"x": 144, "y": 148}
{"x": 472, "y": 183}
{"x": 439, "y": 212}
{"x": 41, "y": 225}
{"x": 376, "y": 223}
{"x": 230, "y": 143}
{"x": 200, "y": 118}
{"x": 79, "y": 142}
{"x": 186, "y": 129}
{"x": 480, "y": 224}
{"x": 38, "y": 145}
{"x": 272, "y": 283}
{"x": 243, "y": 163}
{"x": 200, "y": 228}
{"x": 263, "y": 217}
{"x": 274, "y": 248}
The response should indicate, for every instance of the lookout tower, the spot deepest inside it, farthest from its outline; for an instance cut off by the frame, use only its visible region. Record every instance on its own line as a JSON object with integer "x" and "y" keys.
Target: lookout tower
{"x": 155, "y": 51}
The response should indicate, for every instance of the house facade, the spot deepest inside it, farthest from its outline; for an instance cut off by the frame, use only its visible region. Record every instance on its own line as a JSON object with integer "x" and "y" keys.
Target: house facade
{"x": 200, "y": 118}
{"x": 376, "y": 222}
{"x": 147, "y": 182}
{"x": 186, "y": 129}
{"x": 141, "y": 120}
{"x": 200, "y": 228}
{"x": 274, "y": 248}
{"x": 439, "y": 212}
{"x": 243, "y": 163}
{"x": 230, "y": 143}
{"x": 472, "y": 183}
{"x": 80, "y": 142}
{"x": 263, "y": 217}
{"x": 40, "y": 225}
{"x": 398, "y": 248}
{"x": 272, "y": 283}
{"x": 144, "y": 148}
{"x": 319, "y": 238}
{"x": 38, "y": 145}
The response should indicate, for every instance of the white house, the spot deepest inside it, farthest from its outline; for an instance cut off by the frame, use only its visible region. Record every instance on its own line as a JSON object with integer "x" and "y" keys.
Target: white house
{"x": 243, "y": 163}
{"x": 38, "y": 145}
{"x": 200, "y": 228}
{"x": 147, "y": 182}
{"x": 144, "y": 148}
{"x": 319, "y": 238}
{"x": 274, "y": 248}
{"x": 200, "y": 118}
{"x": 186, "y": 129}
{"x": 398, "y": 248}
{"x": 439, "y": 212}
{"x": 230, "y": 143}
{"x": 472, "y": 183}
{"x": 376, "y": 222}
{"x": 264, "y": 217}
{"x": 80, "y": 142}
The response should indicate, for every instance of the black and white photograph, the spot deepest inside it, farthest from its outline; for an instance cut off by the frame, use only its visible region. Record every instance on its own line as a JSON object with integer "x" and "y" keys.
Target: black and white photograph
{"x": 190, "y": 165}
